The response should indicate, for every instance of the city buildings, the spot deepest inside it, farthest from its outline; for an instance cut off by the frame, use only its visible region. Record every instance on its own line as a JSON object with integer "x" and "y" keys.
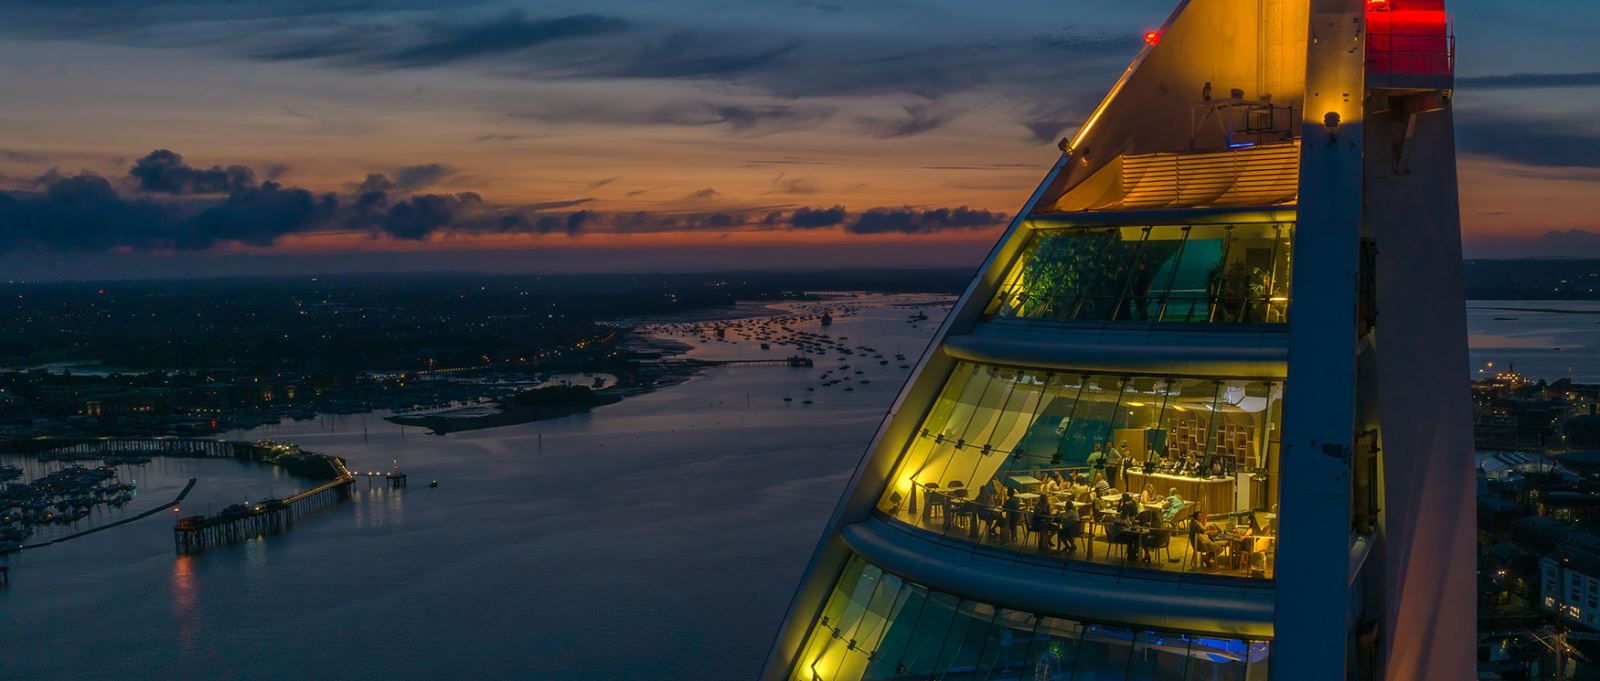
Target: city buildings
{"x": 1204, "y": 412}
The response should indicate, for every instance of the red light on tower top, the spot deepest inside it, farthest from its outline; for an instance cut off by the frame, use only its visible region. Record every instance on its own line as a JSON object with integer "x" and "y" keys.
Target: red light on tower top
{"x": 1152, "y": 37}
{"x": 1378, "y": 5}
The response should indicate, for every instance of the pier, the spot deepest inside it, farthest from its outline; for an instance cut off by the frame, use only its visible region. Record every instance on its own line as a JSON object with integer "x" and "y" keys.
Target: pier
{"x": 194, "y": 534}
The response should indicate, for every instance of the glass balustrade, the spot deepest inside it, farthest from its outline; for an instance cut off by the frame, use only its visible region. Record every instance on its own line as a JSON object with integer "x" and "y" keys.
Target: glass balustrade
{"x": 1196, "y": 274}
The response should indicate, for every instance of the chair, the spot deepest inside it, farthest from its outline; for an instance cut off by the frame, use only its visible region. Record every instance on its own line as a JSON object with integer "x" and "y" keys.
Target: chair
{"x": 932, "y": 499}
{"x": 1194, "y": 547}
{"x": 1041, "y": 525}
{"x": 1150, "y": 522}
{"x": 1068, "y": 533}
{"x": 1159, "y": 540}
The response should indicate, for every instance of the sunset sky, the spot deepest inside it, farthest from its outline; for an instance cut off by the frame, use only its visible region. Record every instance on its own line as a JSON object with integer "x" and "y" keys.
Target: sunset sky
{"x": 166, "y": 137}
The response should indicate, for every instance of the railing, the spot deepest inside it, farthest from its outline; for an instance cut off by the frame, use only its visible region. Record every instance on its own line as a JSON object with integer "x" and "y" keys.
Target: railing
{"x": 1175, "y": 307}
{"x": 1411, "y": 54}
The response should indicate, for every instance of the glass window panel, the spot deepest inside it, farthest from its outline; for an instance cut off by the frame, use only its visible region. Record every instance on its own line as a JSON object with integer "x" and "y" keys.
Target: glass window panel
{"x": 1015, "y": 645}
{"x": 1256, "y": 665}
{"x": 965, "y": 641}
{"x": 1158, "y": 656}
{"x": 1170, "y": 273}
{"x": 1213, "y": 659}
{"x": 1025, "y": 448}
{"x": 1103, "y": 653}
{"x": 927, "y": 641}
{"x": 1055, "y": 649}
{"x": 1084, "y": 438}
{"x": 903, "y": 630}
{"x": 898, "y": 635}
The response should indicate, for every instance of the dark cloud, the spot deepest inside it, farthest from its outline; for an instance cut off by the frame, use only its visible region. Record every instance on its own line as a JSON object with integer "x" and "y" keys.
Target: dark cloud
{"x": 602, "y": 182}
{"x": 419, "y": 216}
{"x": 259, "y": 216}
{"x": 165, "y": 172}
{"x": 168, "y": 207}
{"x": 83, "y": 213}
{"x": 86, "y": 213}
{"x": 1528, "y": 142}
{"x": 913, "y": 221}
{"x": 418, "y": 176}
{"x": 1523, "y": 81}
{"x": 702, "y": 194}
{"x": 812, "y": 218}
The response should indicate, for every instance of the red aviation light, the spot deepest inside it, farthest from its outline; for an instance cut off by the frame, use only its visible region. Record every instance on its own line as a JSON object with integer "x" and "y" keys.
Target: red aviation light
{"x": 1378, "y": 5}
{"x": 1152, "y": 37}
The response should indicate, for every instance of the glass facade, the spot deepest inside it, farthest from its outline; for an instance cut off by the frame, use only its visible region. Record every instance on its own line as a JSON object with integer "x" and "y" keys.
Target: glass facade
{"x": 1165, "y": 273}
{"x": 877, "y": 625}
{"x": 1167, "y": 473}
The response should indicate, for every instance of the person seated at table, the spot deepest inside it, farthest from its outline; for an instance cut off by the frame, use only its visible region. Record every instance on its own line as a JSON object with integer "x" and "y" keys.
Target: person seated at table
{"x": 1153, "y": 459}
{"x": 1173, "y": 505}
{"x": 1150, "y": 497}
{"x": 1057, "y": 483}
{"x": 1192, "y": 465}
{"x": 1259, "y": 540}
{"x": 1122, "y": 530}
{"x": 1014, "y": 508}
{"x": 1101, "y": 487}
{"x": 1040, "y": 522}
{"x": 988, "y": 507}
{"x": 1150, "y": 521}
{"x": 1068, "y": 528}
{"x": 1203, "y": 539}
{"x": 1047, "y": 485}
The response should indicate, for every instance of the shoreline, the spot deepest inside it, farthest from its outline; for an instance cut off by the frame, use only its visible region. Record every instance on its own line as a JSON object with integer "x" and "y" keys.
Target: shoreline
{"x": 661, "y": 364}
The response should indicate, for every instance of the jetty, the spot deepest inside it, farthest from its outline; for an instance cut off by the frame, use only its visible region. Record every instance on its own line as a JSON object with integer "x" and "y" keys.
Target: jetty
{"x": 238, "y": 522}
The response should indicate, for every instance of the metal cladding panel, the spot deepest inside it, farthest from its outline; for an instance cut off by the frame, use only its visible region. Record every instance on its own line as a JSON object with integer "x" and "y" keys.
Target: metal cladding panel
{"x": 1312, "y": 626}
{"x": 1428, "y": 541}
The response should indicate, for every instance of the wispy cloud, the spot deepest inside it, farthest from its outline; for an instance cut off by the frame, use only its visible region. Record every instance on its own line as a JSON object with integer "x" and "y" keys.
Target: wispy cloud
{"x": 1523, "y": 81}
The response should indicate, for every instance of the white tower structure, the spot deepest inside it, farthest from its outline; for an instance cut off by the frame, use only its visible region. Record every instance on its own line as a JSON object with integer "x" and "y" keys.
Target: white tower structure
{"x": 1203, "y": 413}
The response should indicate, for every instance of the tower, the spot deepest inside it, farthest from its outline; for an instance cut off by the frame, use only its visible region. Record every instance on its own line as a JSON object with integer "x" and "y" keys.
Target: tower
{"x": 1203, "y": 413}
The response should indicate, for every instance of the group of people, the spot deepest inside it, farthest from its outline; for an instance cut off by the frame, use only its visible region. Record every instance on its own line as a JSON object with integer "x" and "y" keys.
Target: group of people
{"x": 1053, "y": 513}
{"x": 1061, "y": 510}
{"x": 1211, "y": 541}
{"x": 1113, "y": 463}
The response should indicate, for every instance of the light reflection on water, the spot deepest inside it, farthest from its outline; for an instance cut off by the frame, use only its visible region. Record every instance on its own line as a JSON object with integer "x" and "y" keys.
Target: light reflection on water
{"x": 1545, "y": 339}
